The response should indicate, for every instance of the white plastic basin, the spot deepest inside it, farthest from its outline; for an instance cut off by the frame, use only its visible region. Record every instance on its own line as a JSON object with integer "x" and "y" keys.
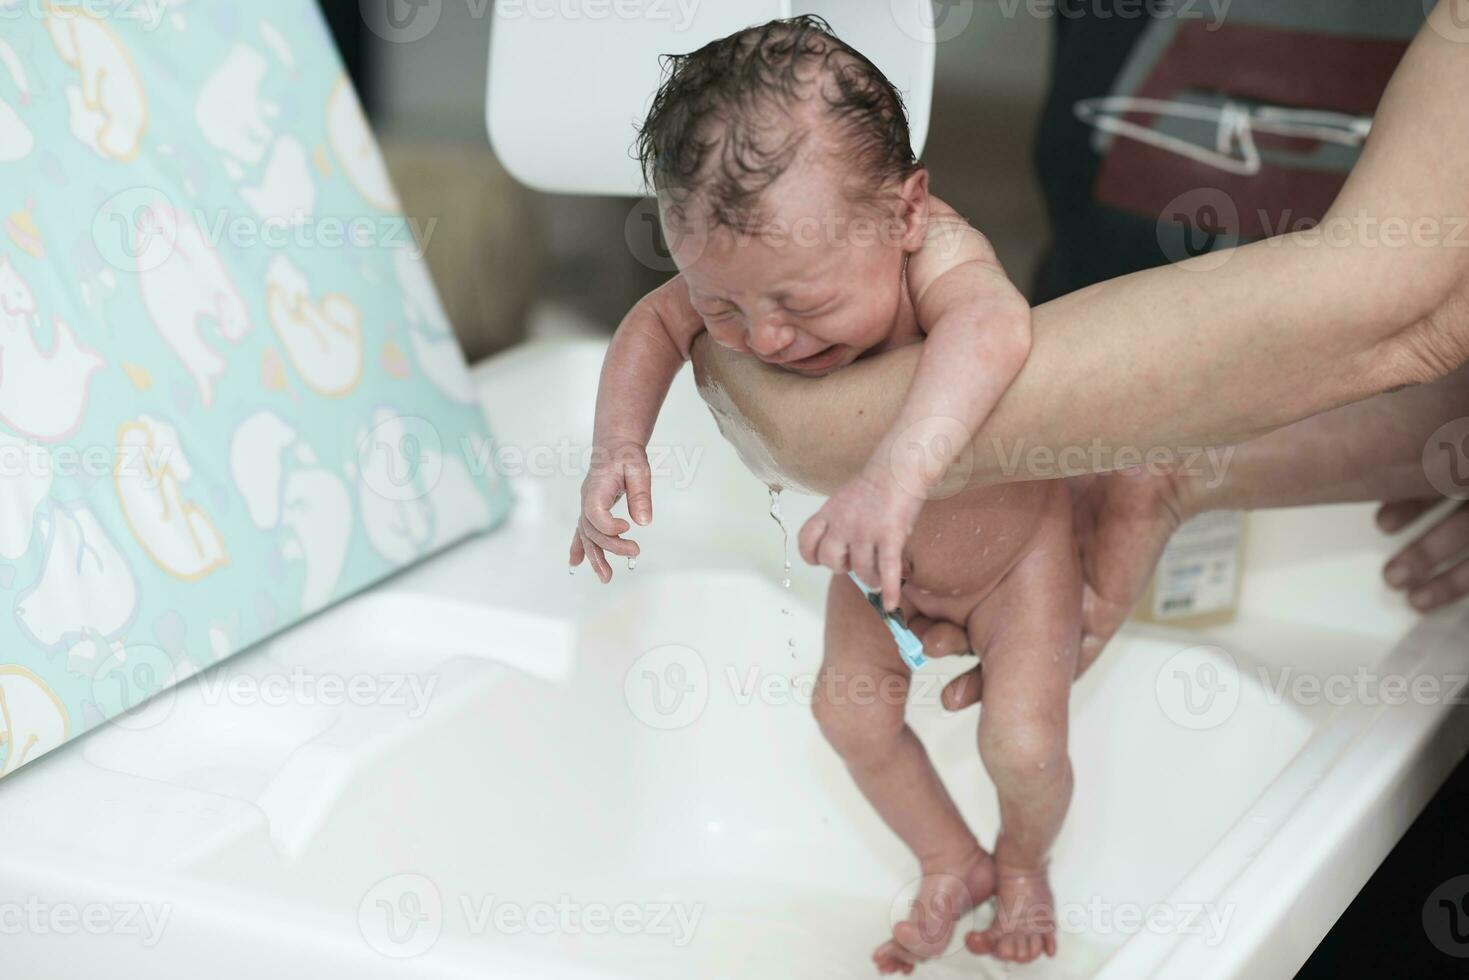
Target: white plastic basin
{"x": 543, "y": 777}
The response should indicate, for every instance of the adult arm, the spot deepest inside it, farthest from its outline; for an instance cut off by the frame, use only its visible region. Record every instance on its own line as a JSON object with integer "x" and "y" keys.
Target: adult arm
{"x": 1372, "y": 450}
{"x": 1199, "y": 353}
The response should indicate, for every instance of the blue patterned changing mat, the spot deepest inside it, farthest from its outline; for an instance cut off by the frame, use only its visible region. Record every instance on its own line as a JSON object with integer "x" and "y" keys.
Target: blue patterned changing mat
{"x": 229, "y": 395}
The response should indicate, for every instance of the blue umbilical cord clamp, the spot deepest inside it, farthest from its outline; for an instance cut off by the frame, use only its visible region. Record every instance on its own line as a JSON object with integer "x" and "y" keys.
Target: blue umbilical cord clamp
{"x": 910, "y": 647}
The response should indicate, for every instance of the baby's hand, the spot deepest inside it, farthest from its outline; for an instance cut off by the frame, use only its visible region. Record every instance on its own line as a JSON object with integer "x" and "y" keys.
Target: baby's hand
{"x": 864, "y": 528}
{"x": 615, "y": 472}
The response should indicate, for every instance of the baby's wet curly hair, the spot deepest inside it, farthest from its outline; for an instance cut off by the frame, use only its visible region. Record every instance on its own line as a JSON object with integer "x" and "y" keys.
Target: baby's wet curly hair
{"x": 714, "y": 106}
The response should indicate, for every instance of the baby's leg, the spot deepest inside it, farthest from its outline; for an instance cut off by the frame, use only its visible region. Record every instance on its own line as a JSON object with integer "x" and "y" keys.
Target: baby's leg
{"x": 859, "y": 702}
{"x": 1028, "y": 632}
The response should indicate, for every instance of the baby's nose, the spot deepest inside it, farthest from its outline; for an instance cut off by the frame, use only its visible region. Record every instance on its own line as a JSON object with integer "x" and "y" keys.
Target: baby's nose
{"x": 770, "y": 336}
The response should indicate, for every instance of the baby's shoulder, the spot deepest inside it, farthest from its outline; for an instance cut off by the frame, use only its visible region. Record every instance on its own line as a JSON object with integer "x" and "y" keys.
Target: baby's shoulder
{"x": 950, "y": 241}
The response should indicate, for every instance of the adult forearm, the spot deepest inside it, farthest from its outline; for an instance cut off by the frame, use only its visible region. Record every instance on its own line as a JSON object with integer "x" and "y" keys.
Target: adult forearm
{"x": 1166, "y": 359}
{"x": 1373, "y": 450}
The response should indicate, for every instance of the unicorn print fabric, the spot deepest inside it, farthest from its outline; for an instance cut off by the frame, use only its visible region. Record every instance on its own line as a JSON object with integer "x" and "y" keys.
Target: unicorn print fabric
{"x": 228, "y": 393}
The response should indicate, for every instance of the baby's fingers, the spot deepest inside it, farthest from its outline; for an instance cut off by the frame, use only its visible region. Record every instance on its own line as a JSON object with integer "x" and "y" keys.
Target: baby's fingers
{"x": 890, "y": 572}
{"x": 597, "y": 560}
{"x": 596, "y": 508}
{"x": 863, "y": 559}
{"x": 809, "y": 540}
{"x": 625, "y": 547}
{"x": 639, "y": 481}
{"x": 833, "y": 553}
{"x": 600, "y": 517}
{"x": 578, "y": 552}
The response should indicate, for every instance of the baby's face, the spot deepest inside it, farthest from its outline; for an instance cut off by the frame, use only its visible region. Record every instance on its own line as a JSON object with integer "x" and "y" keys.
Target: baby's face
{"x": 811, "y": 291}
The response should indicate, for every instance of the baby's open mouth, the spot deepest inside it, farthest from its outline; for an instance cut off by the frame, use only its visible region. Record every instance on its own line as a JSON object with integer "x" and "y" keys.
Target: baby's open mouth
{"x": 820, "y": 361}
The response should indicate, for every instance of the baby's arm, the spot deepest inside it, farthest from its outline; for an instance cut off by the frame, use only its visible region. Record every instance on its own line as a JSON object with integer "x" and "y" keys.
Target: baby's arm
{"x": 978, "y": 337}
{"x": 646, "y": 352}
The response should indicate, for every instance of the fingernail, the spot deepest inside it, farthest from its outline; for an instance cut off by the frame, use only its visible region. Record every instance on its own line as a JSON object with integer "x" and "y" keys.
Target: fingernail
{"x": 1397, "y": 575}
{"x": 1421, "y": 599}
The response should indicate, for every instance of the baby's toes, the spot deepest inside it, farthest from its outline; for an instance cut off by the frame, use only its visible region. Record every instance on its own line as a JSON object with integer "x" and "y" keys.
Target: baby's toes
{"x": 980, "y": 943}
{"x": 890, "y": 959}
{"x": 925, "y": 935}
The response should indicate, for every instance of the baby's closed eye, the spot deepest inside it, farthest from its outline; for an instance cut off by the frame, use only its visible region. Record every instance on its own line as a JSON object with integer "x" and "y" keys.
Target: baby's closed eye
{"x": 812, "y": 307}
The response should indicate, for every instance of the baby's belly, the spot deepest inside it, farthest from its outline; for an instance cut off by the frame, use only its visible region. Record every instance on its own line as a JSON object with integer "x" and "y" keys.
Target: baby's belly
{"x": 963, "y": 546}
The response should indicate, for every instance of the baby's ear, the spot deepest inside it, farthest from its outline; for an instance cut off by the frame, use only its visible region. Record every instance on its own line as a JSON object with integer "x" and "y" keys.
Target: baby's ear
{"x": 913, "y": 209}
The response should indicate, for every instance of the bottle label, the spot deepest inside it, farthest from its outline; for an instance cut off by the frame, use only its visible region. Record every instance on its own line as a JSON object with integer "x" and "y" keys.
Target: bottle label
{"x": 1200, "y": 569}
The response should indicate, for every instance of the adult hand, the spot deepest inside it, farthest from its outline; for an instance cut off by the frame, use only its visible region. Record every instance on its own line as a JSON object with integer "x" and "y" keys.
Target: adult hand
{"x": 1434, "y": 569}
{"x": 945, "y": 639}
{"x": 1122, "y": 522}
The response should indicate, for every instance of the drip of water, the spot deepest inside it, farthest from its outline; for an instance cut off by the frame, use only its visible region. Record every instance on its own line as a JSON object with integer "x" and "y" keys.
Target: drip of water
{"x": 785, "y": 548}
{"x": 631, "y": 563}
{"x": 785, "y": 535}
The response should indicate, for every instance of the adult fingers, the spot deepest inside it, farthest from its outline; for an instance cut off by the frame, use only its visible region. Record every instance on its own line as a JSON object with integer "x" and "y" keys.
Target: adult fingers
{"x": 1393, "y": 517}
{"x": 1417, "y": 563}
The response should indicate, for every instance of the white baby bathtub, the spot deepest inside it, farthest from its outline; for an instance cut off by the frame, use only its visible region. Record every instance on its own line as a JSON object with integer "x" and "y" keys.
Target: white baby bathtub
{"x": 624, "y": 781}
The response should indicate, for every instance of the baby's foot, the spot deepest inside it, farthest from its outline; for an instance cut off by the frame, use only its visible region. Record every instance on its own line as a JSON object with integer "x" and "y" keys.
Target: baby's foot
{"x": 1025, "y": 919}
{"x": 947, "y": 891}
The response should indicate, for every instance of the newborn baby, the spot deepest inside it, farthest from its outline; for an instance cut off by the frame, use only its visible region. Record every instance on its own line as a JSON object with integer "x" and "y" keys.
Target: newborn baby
{"x": 805, "y": 235}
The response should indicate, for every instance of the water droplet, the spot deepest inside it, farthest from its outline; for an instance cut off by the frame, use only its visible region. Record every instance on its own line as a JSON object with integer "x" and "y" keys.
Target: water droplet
{"x": 570, "y": 569}
{"x": 785, "y": 535}
{"x": 631, "y": 563}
